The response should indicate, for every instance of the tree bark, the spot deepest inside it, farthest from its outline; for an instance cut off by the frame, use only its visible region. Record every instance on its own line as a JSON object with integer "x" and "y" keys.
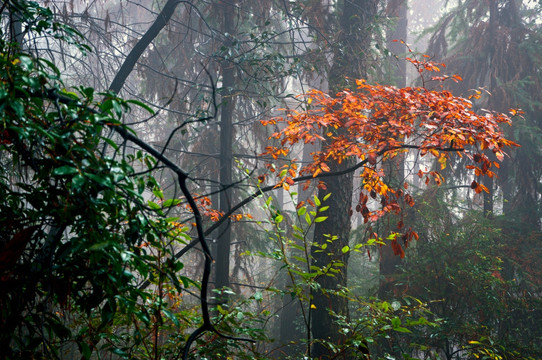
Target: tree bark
{"x": 222, "y": 265}
{"x": 397, "y": 9}
{"x": 356, "y": 19}
{"x": 140, "y": 47}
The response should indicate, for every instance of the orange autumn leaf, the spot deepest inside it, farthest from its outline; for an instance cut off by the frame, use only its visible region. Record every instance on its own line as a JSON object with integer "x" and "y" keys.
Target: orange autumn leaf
{"x": 397, "y": 249}
{"x": 376, "y": 123}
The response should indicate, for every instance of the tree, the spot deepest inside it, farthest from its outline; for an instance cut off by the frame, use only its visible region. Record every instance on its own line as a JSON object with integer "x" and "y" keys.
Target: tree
{"x": 78, "y": 236}
{"x": 458, "y": 269}
{"x": 75, "y": 226}
{"x": 92, "y": 243}
{"x": 344, "y": 33}
{"x": 396, "y": 43}
{"x": 482, "y": 40}
{"x": 375, "y": 124}
{"x": 495, "y": 46}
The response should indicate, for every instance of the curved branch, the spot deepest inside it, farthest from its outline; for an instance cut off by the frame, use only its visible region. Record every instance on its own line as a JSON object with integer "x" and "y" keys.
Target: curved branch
{"x": 298, "y": 179}
{"x": 201, "y": 234}
{"x": 143, "y": 43}
{"x": 182, "y": 177}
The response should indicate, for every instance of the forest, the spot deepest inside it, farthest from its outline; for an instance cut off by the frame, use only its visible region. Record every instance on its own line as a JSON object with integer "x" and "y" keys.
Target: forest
{"x": 271, "y": 179}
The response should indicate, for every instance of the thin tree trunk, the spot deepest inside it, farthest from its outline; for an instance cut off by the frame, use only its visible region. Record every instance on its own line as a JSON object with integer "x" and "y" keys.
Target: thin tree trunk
{"x": 488, "y": 182}
{"x": 222, "y": 265}
{"x": 142, "y": 45}
{"x": 291, "y": 313}
{"x": 397, "y": 9}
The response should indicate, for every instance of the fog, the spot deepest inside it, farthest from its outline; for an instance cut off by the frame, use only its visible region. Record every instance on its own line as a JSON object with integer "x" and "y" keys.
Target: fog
{"x": 390, "y": 218}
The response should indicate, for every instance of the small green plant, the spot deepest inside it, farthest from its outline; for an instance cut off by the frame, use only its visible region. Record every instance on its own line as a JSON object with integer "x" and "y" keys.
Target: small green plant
{"x": 372, "y": 321}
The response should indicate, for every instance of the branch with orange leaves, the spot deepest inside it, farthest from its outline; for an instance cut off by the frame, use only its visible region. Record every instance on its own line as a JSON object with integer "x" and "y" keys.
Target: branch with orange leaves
{"x": 374, "y": 118}
{"x": 298, "y": 179}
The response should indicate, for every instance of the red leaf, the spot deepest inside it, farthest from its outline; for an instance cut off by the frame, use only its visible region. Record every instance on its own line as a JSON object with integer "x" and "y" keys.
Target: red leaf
{"x": 371, "y": 158}
{"x": 397, "y": 249}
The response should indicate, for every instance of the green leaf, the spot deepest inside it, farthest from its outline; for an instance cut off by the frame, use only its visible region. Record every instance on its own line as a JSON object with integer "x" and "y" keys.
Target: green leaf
{"x": 85, "y": 349}
{"x": 300, "y": 259}
{"x": 385, "y": 306}
{"x": 111, "y": 143}
{"x": 171, "y": 202}
{"x": 117, "y": 108}
{"x": 392, "y": 236}
{"x": 65, "y": 170}
{"x": 69, "y": 94}
{"x": 258, "y": 296}
{"x": 120, "y": 352}
{"x": 320, "y": 219}
{"x": 221, "y": 310}
{"x": 45, "y": 133}
{"x": 171, "y": 317}
{"x": 345, "y": 249}
{"x": 186, "y": 281}
{"x": 88, "y": 92}
{"x": 99, "y": 246}
{"x": 158, "y": 193}
{"x": 78, "y": 181}
{"x": 17, "y": 107}
{"x": 104, "y": 181}
{"x": 141, "y": 105}
{"x": 317, "y": 201}
{"x": 402, "y": 329}
{"x": 154, "y": 205}
{"x": 327, "y": 196}
{"x": 26, "y": 62}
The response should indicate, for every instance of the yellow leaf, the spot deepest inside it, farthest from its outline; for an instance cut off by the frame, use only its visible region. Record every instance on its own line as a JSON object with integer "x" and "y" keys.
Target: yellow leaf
{"x": 442, "y": 161}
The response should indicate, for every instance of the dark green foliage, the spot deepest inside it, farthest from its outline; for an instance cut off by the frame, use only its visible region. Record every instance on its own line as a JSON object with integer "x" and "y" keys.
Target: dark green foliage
{"x": 77, "y": 237}
{"x": 471, "y": 272}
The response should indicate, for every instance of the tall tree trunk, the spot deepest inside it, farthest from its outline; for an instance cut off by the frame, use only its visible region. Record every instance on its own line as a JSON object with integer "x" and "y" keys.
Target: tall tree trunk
{"x": 291, "y": 313}
{"x": 356, "y": 18}
{"x": 222, "y": 265}
{"x": 394, "y": 168}
{"x": 15, "y": 27}
{"x": 324, "y": 326}
{"x": 493, "y": 23}
{"x": 397, "y": 10}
